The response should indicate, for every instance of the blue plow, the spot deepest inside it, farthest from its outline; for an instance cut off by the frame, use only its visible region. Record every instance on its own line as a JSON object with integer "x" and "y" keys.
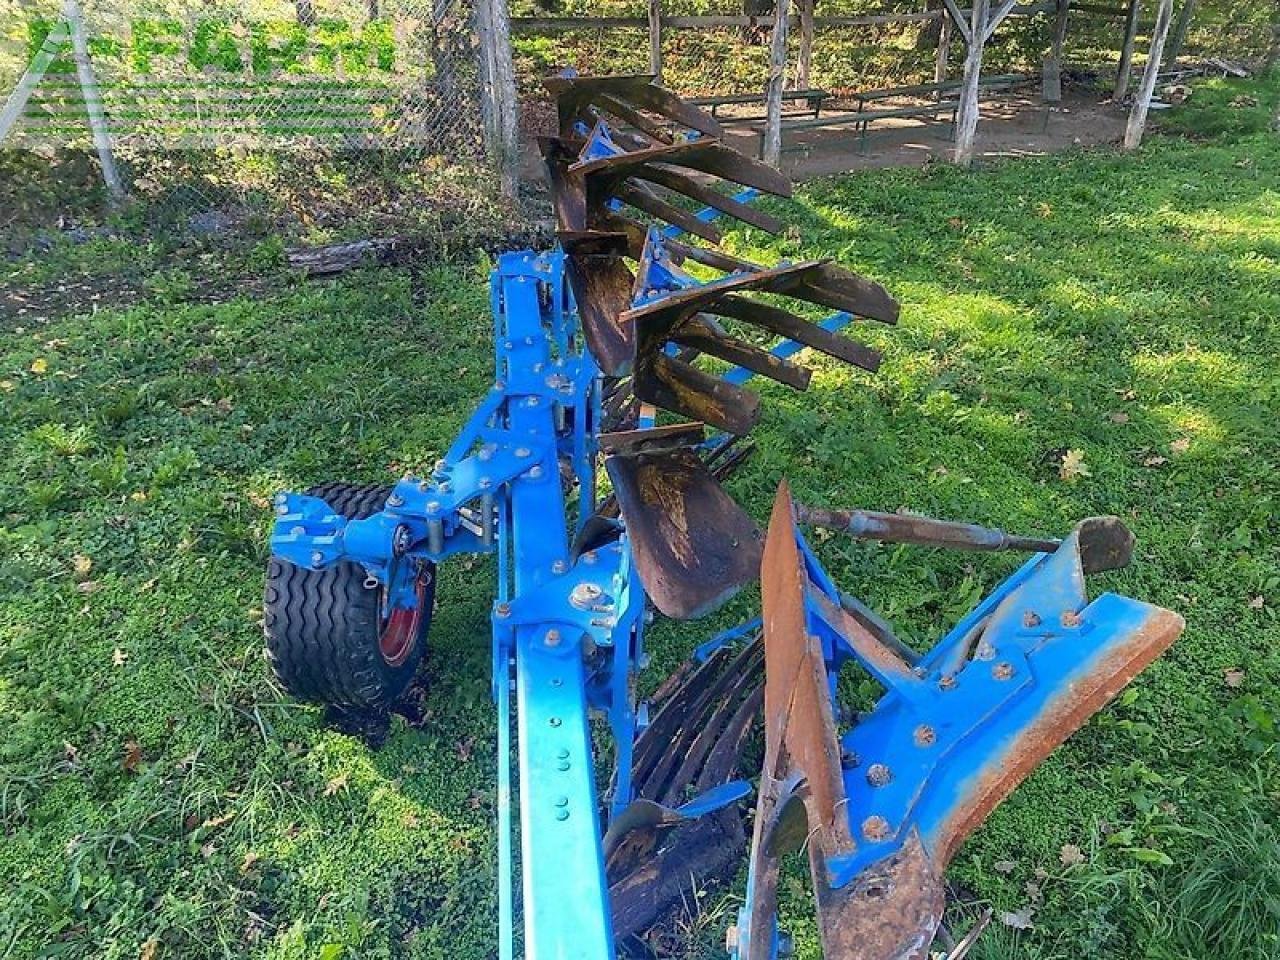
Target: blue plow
{"x": 595, "y": 343}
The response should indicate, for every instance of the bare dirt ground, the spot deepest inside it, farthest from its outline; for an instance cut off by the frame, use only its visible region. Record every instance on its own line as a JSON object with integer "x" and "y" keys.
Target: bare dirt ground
{"x": 1011, "y": 125}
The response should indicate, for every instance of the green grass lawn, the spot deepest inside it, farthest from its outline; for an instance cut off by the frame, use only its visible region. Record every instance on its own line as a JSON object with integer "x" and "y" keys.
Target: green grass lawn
{"x": 161, "y": 798}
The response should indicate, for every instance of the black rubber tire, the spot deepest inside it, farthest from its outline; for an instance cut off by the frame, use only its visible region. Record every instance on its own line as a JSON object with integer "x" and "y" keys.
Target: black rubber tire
{"x": 322, "y": 626}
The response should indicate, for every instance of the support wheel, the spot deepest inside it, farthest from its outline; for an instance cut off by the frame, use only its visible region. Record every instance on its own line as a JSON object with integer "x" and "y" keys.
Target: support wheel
{"x": 327, "y": 639}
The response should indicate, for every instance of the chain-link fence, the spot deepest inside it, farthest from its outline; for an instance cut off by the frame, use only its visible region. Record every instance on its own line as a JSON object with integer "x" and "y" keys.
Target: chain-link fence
{"x": 313, "y": 109}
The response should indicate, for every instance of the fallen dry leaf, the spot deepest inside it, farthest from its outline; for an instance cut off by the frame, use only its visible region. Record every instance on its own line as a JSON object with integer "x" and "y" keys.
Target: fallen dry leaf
{"x": 89, "y": 586}
{"x": 213, "y": 823}
{"x": 1118, "y": 416}
{"x": 150, "y": 950}
{"x": 1256, "y": 603}
{"x": 81, "y": 565}
{"x": 1073, "y": 466}
{"x": 1155, "y": 461}
{"x": 1004, "y": 866}
{"x": 119, "y": 657}
{"x": 39, "y": 365}
{"x": 1233, "y": 677}
{"x": 1181, "y": 445}
{"x": 337, "y": 783}
{"x": 248, "y": 862}
{"x": 132, "y": 756}
{"x": 1070, "y": 855}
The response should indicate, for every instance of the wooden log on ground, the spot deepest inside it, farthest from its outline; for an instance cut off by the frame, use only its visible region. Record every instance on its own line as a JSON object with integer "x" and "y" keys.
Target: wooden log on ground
{"x": 340, "y": 257}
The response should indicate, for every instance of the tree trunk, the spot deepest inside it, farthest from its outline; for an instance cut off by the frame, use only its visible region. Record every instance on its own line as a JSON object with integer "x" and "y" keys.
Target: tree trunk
{"x": 931, "y": 33}
{"x": 771, "y": 149}
{"x": 1126, "y": 52}
{"x": 1142, "y": 103}
{"x": 1052, "y": 81}
{"x": 804, "y": 66}
{"x": 1180, "y": 32}
{"x": 943, "y": 53}
{"x": 967, "y": 115}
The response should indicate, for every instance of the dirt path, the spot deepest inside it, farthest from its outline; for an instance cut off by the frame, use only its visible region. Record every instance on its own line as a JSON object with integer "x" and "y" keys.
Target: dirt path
{"x": 1011, "y": 125}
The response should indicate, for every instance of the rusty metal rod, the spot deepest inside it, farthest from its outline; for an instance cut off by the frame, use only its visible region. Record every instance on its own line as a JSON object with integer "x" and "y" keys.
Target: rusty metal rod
{"x": 925, "y": 531}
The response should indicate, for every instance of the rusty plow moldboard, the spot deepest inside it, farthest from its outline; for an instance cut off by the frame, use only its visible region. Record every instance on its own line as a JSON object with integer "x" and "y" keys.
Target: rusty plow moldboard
{"x": 884, "y": 805}
{"x": 627, "y": 159}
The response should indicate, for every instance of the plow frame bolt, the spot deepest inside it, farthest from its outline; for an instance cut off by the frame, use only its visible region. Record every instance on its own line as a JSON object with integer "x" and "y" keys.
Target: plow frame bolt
{"x": 553, "y": 638}
{"x": 1030, "y": 619}
{"x": 559, "y": 567}
{"x": 503, "y": 609}
{"x": 1002, "y": 670}
{"x": 1071, "y": 619}
{"x": 875, "y": 828}
{"x": 879, "y": 775}
{"x": 925, "y": 736}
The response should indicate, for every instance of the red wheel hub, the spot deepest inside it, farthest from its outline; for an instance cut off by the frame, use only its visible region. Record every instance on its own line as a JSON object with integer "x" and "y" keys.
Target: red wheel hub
{"x": 402, "y": 626}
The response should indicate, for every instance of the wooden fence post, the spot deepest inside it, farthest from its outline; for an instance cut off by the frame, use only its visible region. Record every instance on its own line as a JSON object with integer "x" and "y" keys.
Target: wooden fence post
{"x": 1052, "y": 81}
{"x": 944, "y": 52}
{"x": 27, "y": 83}
{"x": 771, "y": 150}
{"x": 655, "y": 39}
{"x": 1138, "y": 116}
{"x": 967, "y": 115}
{"x": 1126, "y": 51}
{"x": 93, "y": 100}
{"x": 502, "y": 122}
{"x": 804, "y": 66}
